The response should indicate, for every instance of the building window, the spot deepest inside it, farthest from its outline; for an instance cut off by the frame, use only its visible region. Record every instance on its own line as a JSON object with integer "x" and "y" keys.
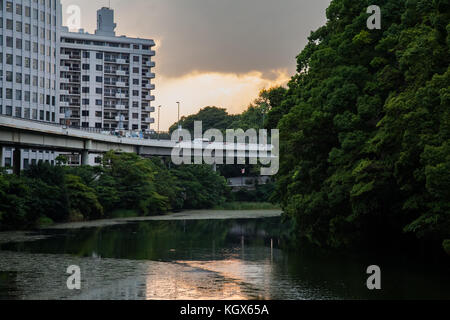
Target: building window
{"x": 9, "y": 6}
{"x": 9, "y": 42}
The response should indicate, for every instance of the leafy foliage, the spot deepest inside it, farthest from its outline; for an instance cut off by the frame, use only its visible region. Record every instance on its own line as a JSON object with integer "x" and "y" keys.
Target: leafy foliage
{"x": 125, "y": 182}
{"x": 365, "y": 126}
{"x": 254, "y": 117}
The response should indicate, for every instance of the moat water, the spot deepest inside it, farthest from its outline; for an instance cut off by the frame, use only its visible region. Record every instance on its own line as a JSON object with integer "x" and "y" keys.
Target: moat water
{"x": 201, "y": 259}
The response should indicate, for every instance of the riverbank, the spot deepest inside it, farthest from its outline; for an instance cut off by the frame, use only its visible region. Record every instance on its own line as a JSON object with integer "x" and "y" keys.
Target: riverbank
{"x": 235, "y": 205}
{"x": 184, "y": 215}
{"x": 21, "y": 236}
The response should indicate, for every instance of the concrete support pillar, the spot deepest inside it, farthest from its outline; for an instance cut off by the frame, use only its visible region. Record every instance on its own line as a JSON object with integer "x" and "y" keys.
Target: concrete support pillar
{"x": 214, "y": 167}
{"x": 17, "y": 161}
{"x": 85, "y": 153}
{"x": 85, "y": 158}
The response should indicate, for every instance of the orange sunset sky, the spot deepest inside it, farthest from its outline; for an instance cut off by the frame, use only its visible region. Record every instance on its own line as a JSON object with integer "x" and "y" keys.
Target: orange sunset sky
{"x": 213, "y": 52}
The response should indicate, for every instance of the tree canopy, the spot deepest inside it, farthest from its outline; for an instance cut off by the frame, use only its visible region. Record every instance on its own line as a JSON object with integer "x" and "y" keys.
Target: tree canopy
{"x": 365, "y": 149}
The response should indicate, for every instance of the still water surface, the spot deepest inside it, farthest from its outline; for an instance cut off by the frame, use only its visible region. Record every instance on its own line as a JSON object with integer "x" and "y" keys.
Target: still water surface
{"x": 202, "y": 259}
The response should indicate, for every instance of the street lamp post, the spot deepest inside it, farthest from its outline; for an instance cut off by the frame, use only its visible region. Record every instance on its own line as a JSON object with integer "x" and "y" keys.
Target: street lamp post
{"x": 159, "y": 116}
{"x": 178, "y": 115}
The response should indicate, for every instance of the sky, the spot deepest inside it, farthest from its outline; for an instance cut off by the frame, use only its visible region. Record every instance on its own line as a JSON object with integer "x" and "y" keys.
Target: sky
{"x": 213, "y": 52}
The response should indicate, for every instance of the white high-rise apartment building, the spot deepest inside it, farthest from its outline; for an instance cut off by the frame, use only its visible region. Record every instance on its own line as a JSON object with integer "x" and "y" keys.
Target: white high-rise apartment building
{"x": 79, "y": 79}
{"x": 29, "y": 37}
{"x": 106, "y": 80}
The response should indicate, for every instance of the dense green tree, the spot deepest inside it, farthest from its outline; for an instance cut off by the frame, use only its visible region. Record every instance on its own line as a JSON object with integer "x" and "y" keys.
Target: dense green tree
{"x": 13, "y": 201}
{"x": 364, "y": 126}
{"x": 83, "y": 199}
{"x": 134, "y": 181}
{"x": 261, "y": 112}
{"x": 49, "y": 197}
{"x": 211, "y": 118}
{"x": 202, "y": 188}
{"x": 123, "y": 183}
{"x": 166, "y": 184}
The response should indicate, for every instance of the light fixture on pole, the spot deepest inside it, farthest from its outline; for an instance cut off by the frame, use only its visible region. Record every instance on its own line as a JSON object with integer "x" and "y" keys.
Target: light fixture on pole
{"x": 179, "y": 127}
{"x": 159, "y": 113}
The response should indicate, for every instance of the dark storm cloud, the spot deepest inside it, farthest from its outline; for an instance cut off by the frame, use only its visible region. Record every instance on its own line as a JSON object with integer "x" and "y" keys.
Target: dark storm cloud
{"x": 229, "y": 36}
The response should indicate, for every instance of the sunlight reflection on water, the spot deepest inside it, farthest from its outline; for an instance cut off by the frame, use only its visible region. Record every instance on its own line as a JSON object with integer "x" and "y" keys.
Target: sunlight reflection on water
{"x": 198, "y": 260}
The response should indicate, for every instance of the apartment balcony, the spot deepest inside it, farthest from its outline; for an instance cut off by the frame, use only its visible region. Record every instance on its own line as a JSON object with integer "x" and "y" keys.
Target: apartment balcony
{"x": 148, "y": 120}
{"x": 121, "y": 107}
{"x": 121, "y": 118}
{"x": 121, "y": 84}
{"x": 150, "y": 75}
{"x": 121, "y": 73}
{"x": 64, "y": 92}
{"x": 149, "y": 86}
{"x": 148, "y": 109}
{"x": 152, "y": 53}
{"x": 70, "y": 57}
{"x": 150, "y": 64}
{"x": 149, "y": 98}
{"x": 121, "y": 96}
{"x": 64, "y": 68}
{"x": 64, "y": 80}
{"x": 121, "y": 61}
{"x": 71, "y": 80}
{"x": 63, "y": 104}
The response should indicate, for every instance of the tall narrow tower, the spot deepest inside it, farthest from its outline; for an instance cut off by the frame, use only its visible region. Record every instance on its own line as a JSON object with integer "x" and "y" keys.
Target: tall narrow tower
{"x": 105, "y": 22}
